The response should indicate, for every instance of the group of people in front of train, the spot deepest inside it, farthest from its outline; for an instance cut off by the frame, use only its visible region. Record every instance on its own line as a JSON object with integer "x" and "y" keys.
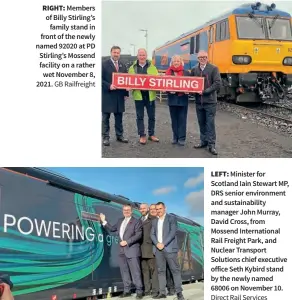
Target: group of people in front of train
{"x": 148, "y": 253}
{"x": 113, "y": 100}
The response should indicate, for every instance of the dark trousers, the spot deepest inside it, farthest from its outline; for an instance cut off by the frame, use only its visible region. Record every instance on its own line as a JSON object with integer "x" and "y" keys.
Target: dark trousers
{"x": 206, "y": 119}
{"x": 163, "y": 257}
{"x": 178, "y": 116}
{"x": 150, "y": 276}
{"x": 106, "y": 124}
{"x": 150, "y": 107}
{"x": 130, "y": 268}
{"x": 169, "y": 280}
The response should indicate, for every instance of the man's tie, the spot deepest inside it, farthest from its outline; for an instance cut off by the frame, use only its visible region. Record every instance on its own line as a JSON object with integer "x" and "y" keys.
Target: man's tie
{"x": 117, "y": 66}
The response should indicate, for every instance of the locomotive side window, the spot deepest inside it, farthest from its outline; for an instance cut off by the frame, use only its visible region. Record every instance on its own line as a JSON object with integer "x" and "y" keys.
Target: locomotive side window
{"x": 217, "y": 38}
{"x": 211, "y": 32}
{"x": 222, "y": 31}
{"x": 225, "y": 30}
{"x": 197, "y": 43}
{"x": 192, "y": 45}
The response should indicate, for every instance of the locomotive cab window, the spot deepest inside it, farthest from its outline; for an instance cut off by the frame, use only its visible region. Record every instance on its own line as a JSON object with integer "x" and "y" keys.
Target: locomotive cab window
{"x": 250, "y": 28}
{"x": 279, "y": 29}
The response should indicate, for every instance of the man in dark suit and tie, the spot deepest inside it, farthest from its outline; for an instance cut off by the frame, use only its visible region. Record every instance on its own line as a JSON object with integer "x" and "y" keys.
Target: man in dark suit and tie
{"x": 149, "y": 269}
{"x": 113, "y": 100}
{"x": 163, "y": 235}
{"x": 129, "y": 230}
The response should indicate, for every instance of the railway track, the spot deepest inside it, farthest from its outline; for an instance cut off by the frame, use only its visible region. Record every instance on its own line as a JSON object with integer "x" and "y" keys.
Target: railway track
{"x": 260, "y": 110}
{"x": 283, "y": 107}
{"x": 279, "y": 112}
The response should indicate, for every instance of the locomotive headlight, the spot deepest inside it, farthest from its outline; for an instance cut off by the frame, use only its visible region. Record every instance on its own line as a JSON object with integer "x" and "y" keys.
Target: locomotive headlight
{"x": 241, "y": 59}
{"x": 287, "y": 61}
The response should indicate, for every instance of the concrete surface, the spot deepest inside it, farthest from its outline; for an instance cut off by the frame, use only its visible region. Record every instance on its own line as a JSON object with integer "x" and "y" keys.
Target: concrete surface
{"x": 235, "y": 138}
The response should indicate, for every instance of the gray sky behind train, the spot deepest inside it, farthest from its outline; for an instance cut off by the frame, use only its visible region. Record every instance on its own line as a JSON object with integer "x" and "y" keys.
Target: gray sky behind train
{"x": 165, "y": 20}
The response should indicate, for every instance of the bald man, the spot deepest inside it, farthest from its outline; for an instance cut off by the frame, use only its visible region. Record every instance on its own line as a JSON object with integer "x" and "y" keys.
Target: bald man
{"x": 206, "y": 101}
{"x": 149, "y": 269}
{"x": 144, "y": 99}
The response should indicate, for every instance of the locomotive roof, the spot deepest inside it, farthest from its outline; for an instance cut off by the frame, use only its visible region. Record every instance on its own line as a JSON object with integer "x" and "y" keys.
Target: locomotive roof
{"x": 243, "y": 9}
{"x": 60, "y": 181}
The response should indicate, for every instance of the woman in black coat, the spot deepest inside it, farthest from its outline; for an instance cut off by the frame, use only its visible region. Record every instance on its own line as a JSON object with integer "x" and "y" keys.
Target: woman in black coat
{"x": 178, "y": 103}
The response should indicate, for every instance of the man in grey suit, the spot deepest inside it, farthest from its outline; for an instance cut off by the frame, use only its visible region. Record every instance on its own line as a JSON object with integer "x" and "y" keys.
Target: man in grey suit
{"x": 163, "y": 235}
{"x": 149, "y": 269}
{"x": 129, "y": 230}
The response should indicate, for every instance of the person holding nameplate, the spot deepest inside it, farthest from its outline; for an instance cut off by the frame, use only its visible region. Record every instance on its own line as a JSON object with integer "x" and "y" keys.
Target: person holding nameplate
{"x": 178, "y": 103}
{"x": 144, "y": 99}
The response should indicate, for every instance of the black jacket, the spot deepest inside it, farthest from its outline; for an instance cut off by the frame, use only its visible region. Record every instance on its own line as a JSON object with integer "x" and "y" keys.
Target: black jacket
{"x": 132, "y": 235}
{"x": 212, "y": 83}
{"x": 147, "y": 245}
{"x": 112, "y": 101}
{"x": 175, "y": 99}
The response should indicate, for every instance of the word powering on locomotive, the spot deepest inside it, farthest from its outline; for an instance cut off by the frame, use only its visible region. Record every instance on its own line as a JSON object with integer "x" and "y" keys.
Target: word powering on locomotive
{"x": 252, "y": 47}
{"x": 53, "y": 246}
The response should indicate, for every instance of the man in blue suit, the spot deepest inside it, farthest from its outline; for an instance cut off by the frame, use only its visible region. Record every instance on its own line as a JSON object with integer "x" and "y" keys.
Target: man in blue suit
{"x": 130, "y": 232}
{"x": 163, "y": 235}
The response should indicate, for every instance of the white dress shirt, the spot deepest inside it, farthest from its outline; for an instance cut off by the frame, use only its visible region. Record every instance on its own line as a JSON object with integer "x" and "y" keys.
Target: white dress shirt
{"x": 123, "y": 226}
{"x": 202, "y": 67}
{"x": 160, "y": 229}
{"x": 116, "y": 63}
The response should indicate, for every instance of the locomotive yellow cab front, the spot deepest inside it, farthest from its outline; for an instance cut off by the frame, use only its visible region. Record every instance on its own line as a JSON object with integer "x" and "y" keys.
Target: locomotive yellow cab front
{"x": 260, "y": 55}
{"x": 252, "y": 47}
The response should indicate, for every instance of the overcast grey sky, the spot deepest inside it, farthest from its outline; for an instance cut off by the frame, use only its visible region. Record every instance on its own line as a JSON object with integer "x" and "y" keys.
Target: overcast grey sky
{"x": 165, "y": 20}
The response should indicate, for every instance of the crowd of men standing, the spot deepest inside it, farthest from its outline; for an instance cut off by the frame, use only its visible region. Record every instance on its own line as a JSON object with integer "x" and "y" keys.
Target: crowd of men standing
{"x": 148, "y": 254}
{"x": 113, "y": 100}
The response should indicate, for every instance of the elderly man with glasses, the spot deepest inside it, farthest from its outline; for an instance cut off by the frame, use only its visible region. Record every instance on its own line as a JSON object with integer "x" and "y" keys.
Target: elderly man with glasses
{"x": 206, "y": 101}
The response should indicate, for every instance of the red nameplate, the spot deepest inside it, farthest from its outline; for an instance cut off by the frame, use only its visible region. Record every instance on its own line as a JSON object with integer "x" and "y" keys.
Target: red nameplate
{"x": 186, "y": 84}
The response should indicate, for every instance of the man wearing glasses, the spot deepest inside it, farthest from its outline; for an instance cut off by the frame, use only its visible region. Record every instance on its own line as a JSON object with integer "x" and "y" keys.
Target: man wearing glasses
{"x": 130, "y": 233}
{"x": 206, "y": 101}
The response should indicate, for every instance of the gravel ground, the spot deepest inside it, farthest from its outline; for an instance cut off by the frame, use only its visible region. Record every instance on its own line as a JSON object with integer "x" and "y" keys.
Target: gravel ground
{"x": 238, "y": 135}
{"x": 278, "y": 111}
{"x": 279, "y": 126}
{"x": 286, "y": 102}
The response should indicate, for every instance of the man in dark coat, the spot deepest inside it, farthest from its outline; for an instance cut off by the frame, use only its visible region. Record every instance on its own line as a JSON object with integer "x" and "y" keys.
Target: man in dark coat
{"x": 206, "y": 102}
{"x": 130, "y": 233}
{"x": 165, "y": 248}
{"x": 113, "y": 100}
{"x": 169, "y": 279}
{"x": 149, "y": 269}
